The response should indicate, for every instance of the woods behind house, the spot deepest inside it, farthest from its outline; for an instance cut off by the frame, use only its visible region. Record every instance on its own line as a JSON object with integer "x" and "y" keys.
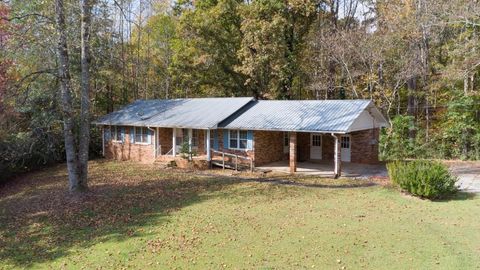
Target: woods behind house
{"x": 419, "y": 60}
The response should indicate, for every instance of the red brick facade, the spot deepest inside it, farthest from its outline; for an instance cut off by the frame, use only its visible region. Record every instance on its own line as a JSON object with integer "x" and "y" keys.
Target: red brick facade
{"x": 268, "y": 146}
{"x": 165, "y": 139}
{"x": 364, "y": 146}
{"x": 129, "y": 151}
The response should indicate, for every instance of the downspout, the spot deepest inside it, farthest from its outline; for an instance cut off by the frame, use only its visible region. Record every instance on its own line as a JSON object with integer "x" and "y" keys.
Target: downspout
{"x": 155, "y": 144}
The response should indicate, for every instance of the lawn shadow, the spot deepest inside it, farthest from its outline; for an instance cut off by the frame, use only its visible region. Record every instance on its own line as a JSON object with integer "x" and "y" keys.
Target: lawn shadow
{"x": 40, "y": 222}
{"x": 334, "y": 185}
{"x": 311, "y": 181}
{"x": 458, "y": 196}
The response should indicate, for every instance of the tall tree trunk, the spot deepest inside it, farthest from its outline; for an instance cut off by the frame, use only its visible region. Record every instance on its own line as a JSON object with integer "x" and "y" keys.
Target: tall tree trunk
{"x": 66, "y": 96}
{"x": 84, "y": 136}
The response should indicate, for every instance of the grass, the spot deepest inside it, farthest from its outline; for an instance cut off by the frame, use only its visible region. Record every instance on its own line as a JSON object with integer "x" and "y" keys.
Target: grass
{"x": 138, "y": 216}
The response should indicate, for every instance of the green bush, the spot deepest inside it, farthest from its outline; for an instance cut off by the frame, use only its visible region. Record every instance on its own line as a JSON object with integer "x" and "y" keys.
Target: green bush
{"x": 427, "y": 179}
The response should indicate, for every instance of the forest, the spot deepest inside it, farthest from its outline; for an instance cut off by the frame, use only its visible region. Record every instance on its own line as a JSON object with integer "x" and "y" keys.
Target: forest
{"x": 65, "y": 62}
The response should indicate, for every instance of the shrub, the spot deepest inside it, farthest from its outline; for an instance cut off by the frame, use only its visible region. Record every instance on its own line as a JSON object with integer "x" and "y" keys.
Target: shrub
{"x": 185, "y": 151}
{"x": 428, "y": 179}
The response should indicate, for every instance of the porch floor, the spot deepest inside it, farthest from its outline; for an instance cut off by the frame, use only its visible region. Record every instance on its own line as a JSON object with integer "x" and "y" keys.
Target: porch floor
{"x": 325, "y": 169}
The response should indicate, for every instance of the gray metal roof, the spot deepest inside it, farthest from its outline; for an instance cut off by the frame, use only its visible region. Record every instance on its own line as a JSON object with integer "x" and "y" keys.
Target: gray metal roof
{"x": 183, "y": 113}
{"x": 300, "y": 115}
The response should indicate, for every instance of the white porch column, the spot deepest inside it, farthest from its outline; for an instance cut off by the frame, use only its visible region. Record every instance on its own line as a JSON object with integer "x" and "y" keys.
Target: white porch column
{"x": 174, "y": 142}
{"x": 337, "y": 159}
{"x": 154, "y": 143}
{"x": 157, "y": 141}
{"x": 190, "y": 142}
{"x": 208, "y": 145}
{"x": 103, "y": 141}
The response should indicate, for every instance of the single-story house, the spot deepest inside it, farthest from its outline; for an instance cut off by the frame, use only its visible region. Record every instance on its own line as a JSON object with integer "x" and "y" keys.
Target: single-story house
{"x": 262, "y": 131}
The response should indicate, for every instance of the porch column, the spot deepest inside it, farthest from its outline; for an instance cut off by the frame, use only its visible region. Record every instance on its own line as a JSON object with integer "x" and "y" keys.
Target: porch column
{"x": 103, "y": 141}
{"x": 190, "y": 142}
{"x": 337, "y": 159}
{"x": 208, "y": 145}
{"x": 174, "y": 142}
{"x": 293, "y": 152}
{"x": 154, "y": 142}
{"x": 157, "y": 141}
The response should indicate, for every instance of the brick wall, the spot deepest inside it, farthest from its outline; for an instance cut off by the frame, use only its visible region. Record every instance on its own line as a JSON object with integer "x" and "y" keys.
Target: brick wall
{"x": 129, "y": 151}
{"x": 328, "y": 147}
{"x": 165, "y": 139}
{"x": 303, "y": 146}
{"x": 268, "y": 146}
{"x": 362, "y": 148}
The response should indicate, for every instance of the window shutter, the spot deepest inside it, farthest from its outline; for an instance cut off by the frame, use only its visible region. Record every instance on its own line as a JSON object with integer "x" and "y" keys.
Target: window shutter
{"x": 250, "y": 139}
{"x": 132, "y": 134}
{"x": 215, "y": 140}
{"x": 225, "y": 139}
{"x": 149, "y": 136}
{"x": 122, "y": 134}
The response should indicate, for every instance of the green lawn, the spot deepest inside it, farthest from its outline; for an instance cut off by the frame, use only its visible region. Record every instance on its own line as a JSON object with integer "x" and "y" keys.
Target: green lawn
{"x": 138, "y": 216}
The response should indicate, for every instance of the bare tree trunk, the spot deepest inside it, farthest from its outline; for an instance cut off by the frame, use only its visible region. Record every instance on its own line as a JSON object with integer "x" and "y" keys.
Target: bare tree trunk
{"x": 84, "y": 138}
{"x": 465, "y": 84}
{"x": 66, "y": 96}
{"x": 412, "y": 102}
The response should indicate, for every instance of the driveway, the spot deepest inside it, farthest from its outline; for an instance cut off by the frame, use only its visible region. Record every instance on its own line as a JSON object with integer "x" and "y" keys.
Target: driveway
{"x": 468, "y": 173}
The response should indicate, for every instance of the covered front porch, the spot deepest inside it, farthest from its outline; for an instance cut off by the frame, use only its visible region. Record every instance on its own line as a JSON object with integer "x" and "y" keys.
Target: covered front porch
{"x": 324, "y": 168}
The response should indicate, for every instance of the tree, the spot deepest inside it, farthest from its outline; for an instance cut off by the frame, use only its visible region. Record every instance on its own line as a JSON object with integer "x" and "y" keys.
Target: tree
{"x": 76, "y": 150}
{"x": 205, "y": 49}
{"x": 272, "y": 42}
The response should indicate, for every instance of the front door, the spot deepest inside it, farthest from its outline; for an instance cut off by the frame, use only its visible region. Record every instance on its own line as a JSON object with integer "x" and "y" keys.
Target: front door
{"x": 315, "y": 146}
{"x": 345, "y": 144}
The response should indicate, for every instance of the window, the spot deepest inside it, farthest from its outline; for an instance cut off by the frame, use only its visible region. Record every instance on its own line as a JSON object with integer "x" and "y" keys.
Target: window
{"x": 233, "y": 139}
{"x": 179, "y": 136}
{"x": 238, "y": 139}
{"x": 116, "y": 133}
{"x": 185, "y": 135}
{"x": 345, "y": 142}
{"x": 141, "y": 135}
{"x": 316, "y": 140}
{"x": 194, "y": 137}
{"x": 212, "y": 138}
{"x": 243, "y": 139}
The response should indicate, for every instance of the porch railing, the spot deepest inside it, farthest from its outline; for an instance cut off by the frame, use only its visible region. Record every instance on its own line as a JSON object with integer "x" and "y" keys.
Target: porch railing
{"x": 170, "y": 152}
{"x": 158, "y": 152}
{"x": 234, "y": 164}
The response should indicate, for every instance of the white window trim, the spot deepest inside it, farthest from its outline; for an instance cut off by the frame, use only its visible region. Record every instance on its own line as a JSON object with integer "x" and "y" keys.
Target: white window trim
{"x": 349, "y": 141}
{"x": 135, "y": 136}
{"x": 321, "y": 139}
{"x": 113, "y": 134}
{"x": 237, "y": 131}
{"x": 195, "y": 147}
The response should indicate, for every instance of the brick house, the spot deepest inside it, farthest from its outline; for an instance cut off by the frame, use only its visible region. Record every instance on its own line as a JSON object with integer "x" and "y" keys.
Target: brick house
{"x": 259, "y": 131}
